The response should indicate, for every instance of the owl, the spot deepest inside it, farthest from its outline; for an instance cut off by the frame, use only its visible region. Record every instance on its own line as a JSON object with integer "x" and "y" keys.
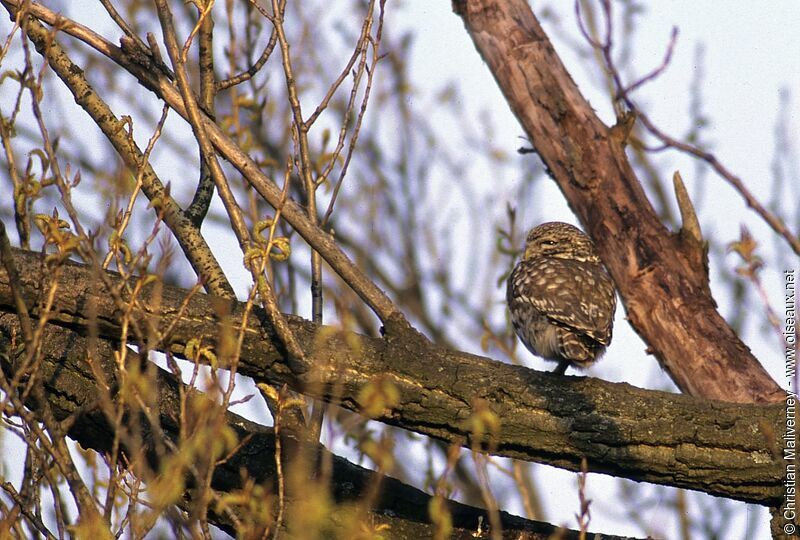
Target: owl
{"x": 561, "y": 299}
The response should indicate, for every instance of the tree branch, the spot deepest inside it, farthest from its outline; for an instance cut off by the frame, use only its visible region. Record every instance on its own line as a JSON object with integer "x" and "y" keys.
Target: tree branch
{"x": 157, "y": 81}
{"x": 191, "y": 241}
{"x": 71, "y": 388}
{"x": 724, "y": 449}
{"x": 662, "y": 277}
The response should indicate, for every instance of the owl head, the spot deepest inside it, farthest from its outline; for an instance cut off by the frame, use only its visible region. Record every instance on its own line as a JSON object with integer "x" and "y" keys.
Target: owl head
{"x": 559, "y": 240}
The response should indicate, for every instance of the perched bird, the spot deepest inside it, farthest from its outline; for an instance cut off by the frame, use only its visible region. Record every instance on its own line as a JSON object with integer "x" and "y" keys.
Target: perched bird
{"x": 561, "y": 298}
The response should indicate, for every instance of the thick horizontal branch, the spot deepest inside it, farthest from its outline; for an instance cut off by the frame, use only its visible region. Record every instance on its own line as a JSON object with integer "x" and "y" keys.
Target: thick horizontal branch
{"x": 724, "y": 449}
{"x": 71, "y": 388}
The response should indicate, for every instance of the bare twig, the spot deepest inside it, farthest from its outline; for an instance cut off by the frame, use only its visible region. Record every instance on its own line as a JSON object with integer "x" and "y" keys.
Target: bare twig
{"x": 23, "y": 506}
{"x": 123, "y": 224}
{"x": 262, "y": 59}
{"x": 657, "y": 71}
{"x": 584, "y": 516}
{"x": 200, "y": 22}
{"x": 294, "y": 214}
{"x": 359, "y": 50}
{"x": 122, "y": 23}
{"x": 189, "y": 238}
{"x": 370, "y": 70}
{"x": 605, "y": 45}
{"x": 7, "y": 260}
{"x": 746, "y": 247}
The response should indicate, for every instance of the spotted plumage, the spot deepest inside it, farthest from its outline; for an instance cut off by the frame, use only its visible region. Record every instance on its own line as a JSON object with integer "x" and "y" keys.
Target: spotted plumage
{"x": 561, "y": 299}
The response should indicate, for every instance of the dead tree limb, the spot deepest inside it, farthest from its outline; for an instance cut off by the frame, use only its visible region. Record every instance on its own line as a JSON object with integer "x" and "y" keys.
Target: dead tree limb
{"x": 661, "y": 276}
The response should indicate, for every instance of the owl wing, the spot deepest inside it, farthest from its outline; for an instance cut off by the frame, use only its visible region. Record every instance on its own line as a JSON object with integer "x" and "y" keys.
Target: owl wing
{"x": 574, "y": 294}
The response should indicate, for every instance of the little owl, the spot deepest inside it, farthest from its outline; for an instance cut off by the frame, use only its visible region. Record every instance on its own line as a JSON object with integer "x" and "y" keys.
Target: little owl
{"x": 561, "y": 299}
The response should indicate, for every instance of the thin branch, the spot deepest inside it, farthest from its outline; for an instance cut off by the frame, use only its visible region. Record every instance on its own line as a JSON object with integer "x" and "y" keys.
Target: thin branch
{"x": 122, "y": 23}
{"x": 204, "y": 13}
{"x": 370, "y": 70}
{"x": 294, "y": 214}
{"x": 23, "y": 507}
{"x": 201, "y": 201}
{"x": 262, "y": 59}
{"x": 300, "y": 134}
{"x": 361, "y": 45}
{"x": 673, "y": 40}
{"x": 123, "y": 224}
{"x": 188, "y": 236}
{"x": 623, "y": 93}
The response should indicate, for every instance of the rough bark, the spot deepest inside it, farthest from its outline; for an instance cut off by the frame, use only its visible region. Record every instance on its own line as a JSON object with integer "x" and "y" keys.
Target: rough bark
{"x": 725, "y": 449}
{"x": 662, "y": 277}
{"x": 71, "y": 389}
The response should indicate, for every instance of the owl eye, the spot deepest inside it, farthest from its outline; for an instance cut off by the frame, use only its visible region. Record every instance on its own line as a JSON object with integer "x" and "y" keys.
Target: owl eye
{"x": 548, "y": 242}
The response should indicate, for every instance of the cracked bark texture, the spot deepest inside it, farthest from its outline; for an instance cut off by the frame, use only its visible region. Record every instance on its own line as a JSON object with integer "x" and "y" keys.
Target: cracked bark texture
{"x": 662, "y": 277}
{"x": 724, "y": 449}
{"x": 71, "y": 389}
